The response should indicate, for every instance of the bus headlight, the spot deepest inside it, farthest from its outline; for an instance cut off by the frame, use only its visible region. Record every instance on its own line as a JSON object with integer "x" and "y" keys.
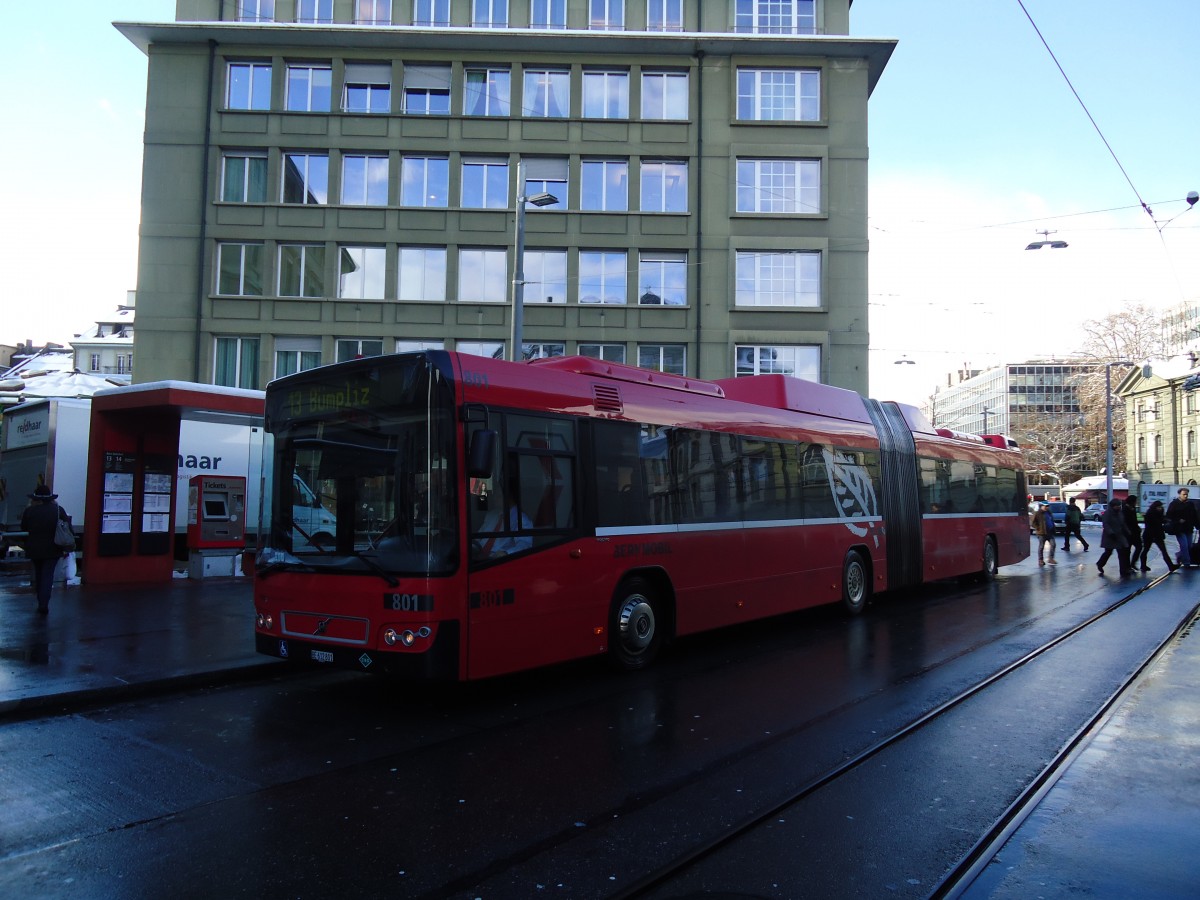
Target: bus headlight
{"x": 264, "y": 621}
{"x": 389, "y": 637}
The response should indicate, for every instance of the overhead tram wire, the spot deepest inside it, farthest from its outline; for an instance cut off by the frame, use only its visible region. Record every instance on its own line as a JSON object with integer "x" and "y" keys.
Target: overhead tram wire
{"x": 1088, "y": 113}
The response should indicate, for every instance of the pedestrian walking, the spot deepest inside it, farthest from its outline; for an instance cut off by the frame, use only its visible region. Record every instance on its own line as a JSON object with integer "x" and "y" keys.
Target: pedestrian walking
{"x": 1043, "y": 527}
{"x": 1129, "y": 510}
{"x": 1114, "y": 537}
{"x": 1153, "y": 536}
{"x": 40, "y": 519}
{"x": 1181, "y": 515}
{"x": 1074, "y": 523}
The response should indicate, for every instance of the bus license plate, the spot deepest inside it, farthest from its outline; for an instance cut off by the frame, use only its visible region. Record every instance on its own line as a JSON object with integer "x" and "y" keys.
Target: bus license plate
{"x": 321, "y": 655}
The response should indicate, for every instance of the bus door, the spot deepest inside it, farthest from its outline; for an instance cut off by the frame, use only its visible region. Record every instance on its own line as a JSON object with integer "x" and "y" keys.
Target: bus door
{"x": 524, "y": 591}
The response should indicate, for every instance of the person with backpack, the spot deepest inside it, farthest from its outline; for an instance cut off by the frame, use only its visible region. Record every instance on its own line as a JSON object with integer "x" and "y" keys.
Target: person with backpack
{"x": 40, "y": 520}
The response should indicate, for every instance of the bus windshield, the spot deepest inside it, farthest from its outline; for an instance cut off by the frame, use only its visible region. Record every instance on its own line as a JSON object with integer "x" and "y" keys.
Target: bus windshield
{"x": 361, "y": 473}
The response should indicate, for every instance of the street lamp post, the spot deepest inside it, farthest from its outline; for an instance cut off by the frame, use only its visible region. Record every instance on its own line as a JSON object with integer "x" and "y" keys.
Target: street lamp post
{"x": 516, "y": 341}
{"x": 985, "y": 415}
{"x": 1108, "y": 435}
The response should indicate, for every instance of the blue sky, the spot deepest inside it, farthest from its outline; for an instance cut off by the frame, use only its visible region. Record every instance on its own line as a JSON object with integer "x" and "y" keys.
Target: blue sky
{"x": 976, "y": 142}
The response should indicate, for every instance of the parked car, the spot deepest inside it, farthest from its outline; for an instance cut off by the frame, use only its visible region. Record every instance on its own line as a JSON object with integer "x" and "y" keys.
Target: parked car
{"x": 1095, "y": 511}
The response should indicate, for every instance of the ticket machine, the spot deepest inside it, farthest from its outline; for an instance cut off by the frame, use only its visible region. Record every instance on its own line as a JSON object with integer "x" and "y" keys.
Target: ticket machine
{"x": 216, "y": 524}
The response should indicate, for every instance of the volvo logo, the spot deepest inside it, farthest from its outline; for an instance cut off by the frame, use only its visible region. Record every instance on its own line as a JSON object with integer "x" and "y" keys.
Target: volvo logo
{"x": 321, "y": 626}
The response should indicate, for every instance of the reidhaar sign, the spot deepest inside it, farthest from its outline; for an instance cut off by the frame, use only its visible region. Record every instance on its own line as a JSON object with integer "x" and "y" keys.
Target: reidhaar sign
{"x": 27, "y": 429}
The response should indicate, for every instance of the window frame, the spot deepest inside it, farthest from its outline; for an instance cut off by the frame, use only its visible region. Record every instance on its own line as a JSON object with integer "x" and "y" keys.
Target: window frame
{"x": 554, "y": 17}
{"x": 370, "y": 273}
{"x": 756, "y": 96}
{"x": 743, "y": 367}
{"x": 429, "y": 84}
{"x": 304, "y": 289}
{"x": 603, "y": 268}
{"x": 245, "y": 360}
{"x": 429, "y": 275}
{"x": 662, "y": 265}
{"x": 300, "y": 351}
{"x": 255, "y": 11}
{"x": 602, "y": 350}
{"x": 657, "y": 178}
{"x": 754, "y": 179}
{"x": 488, "y": 175}
{"x": 431, "y": 13}
{"x": 321, "y": 14}
{"x": 374, "y": 81}
{"x": 489, "y": 13}
{"x": 490, "y": 274}
{"x": 759, "y": 267}
{"x": 492, "y": 95}
{"x": 369, "y": 179}
{"x": 433, "y": 169}
{"x": 247, "y": 263}
{"x": 661, "y": 350}
{"x": 556, "y": 93}
{"x": 340, "y": 345}
{"x": 664, "y": 15}
{"x": 255, "y": 101}
{"x": 756, "y": 17}
{"x": 606, "y": 15}
{"x": 305, "y": 94}
{"x": 607, "y": 185}
{"x": 667, "y": 96}
{"x": 233, "y": 159}
{"x": 372, "y": 12}
{"x": 610, "y": 99}
{"x": 547, "y": 267}
{"x": 311, "y": 178}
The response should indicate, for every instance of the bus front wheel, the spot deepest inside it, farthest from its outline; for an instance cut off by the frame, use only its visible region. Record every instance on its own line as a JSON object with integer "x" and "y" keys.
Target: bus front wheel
{"x": 635, "y": 626}
{"x": 856, "y": 583}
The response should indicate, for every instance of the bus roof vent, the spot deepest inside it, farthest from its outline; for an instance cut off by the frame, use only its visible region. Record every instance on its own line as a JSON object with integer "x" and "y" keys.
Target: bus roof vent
{"x": 606, "y": 397}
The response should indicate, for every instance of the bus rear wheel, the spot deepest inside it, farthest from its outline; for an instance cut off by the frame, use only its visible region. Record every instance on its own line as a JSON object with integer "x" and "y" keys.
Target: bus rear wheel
{"x": 990, "y": 558}
{"x": 856, "y": 583}
{"x": 635, "y": 625}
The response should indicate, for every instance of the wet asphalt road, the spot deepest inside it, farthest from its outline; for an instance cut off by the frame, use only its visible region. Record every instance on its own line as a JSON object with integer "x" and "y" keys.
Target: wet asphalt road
{"x": 575, "y": 782}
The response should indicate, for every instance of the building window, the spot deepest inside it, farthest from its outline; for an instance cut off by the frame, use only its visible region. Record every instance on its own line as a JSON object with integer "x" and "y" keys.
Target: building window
{"x": 364, "y": 180}
{"x": 546, "y": 175}
{"x": 434, "y": 13}
{"x": 1141, "y": 450}
{"x": 614, "y": 353}
{"x": 95, "y": 363}
{"x": 1191, "y": 446}
{"x": 248, "y": 86}
{"x": 490, "y": 349}
{"x": 427, "y": 90}
{"x": 606, "y": 95}
{"x": 354, "y": 348}
{"x": 489, "y": 13}
{"x": 485, "y": 183}
{"x": 1189, "y": 402}
{"x": 775, "y": 17}
{"x": 664, "y": 186}
{"x": 604, "y": 185}
{"x": 418, "y": 346}
{"x": 309, "y": 87}
{"x": 486, "y": 92}
{"x": 542, "y": 351}
{"x": 662, "y": 279}
{"x": 603, "y": 276}
{"x": 665, "y": 95}
{"x": 547, "y": 93}
{"x": 235, "y": 363}
{"x": 545, "y": 276}
{"x": 606, "y": 15}
{"x": 425, "y": 181}
{"x": 422, "y": 274}
{"x": 669, "y": 358}
{"x": 778, "y": 278}
{"x": 244, "y": 177}
{"x": 548, "y": 14}
{"x": 1158, "y": 450}
{"x": 296, "y": 355}
{"x": 256, "y": 10}
{"x": 314, "y": 12}
{"x": 124, "y": 363}
{"x": 305, "y": 178}
{"x": 800, "y": 362}
{"x": 301, "y": 270}
{"x": 779, "y": 95}
{"x": 483, "y": 276}
{"x": 368, "y": 88}
{"x": 372, "y": 12}
{"x": 779, "y": 186}
{"x": 361, "y": 272}
{"x": 664, "y": 15}
{"x": 239, "y": 269}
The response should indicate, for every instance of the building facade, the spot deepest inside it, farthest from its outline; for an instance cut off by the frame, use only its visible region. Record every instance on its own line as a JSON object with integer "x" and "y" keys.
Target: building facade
{"x": 326, "y": 179}
{"x": 1162, "y": 416}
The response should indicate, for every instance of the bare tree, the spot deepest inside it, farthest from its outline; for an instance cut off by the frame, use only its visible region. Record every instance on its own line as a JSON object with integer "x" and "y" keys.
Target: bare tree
{"x": 1054, "y": 446}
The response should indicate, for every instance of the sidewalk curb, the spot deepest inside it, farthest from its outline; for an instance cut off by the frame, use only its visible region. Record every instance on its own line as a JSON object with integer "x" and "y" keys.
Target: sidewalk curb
{"x": 69, "y": 702}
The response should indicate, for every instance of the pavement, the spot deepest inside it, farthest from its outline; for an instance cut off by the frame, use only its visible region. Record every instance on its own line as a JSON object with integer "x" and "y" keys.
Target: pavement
{"x": 1117, "y": 823}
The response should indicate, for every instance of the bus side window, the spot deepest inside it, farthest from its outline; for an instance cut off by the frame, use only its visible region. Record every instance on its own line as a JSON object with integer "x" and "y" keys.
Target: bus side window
{"x": 619, "y": 492}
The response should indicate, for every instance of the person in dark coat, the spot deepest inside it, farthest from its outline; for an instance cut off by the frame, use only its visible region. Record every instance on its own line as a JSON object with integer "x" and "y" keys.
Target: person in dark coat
{"x": 1183, "y": 517}
{"x": 1114, "y": 537}
{"x": 1129, "y": 509}
{"x": 40, "y": 519}
{"x": 1153, "y": 535}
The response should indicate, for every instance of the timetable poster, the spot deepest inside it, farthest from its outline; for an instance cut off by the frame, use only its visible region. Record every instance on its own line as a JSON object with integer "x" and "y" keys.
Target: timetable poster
{"x": 116, "y": 520}
{"x": 158, "y": 484}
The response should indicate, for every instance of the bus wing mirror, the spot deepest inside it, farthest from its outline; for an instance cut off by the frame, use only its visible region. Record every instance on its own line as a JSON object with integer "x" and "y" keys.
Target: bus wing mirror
{"x": 481, "y": 453}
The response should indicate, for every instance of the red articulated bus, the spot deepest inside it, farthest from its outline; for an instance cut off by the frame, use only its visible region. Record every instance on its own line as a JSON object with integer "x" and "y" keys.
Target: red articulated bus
{"x": 495, "y": 516}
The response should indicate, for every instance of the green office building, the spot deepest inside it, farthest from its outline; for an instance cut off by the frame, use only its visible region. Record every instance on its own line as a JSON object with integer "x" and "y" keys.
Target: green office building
{"x": 328, "y": 179}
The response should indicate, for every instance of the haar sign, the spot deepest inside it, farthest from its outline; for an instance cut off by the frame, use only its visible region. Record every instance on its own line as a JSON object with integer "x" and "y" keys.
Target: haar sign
{"x": 27, "y": 429}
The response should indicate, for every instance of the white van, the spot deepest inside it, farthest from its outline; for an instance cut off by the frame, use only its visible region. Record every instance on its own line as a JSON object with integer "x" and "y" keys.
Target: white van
{"x": 310, "y": 517}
